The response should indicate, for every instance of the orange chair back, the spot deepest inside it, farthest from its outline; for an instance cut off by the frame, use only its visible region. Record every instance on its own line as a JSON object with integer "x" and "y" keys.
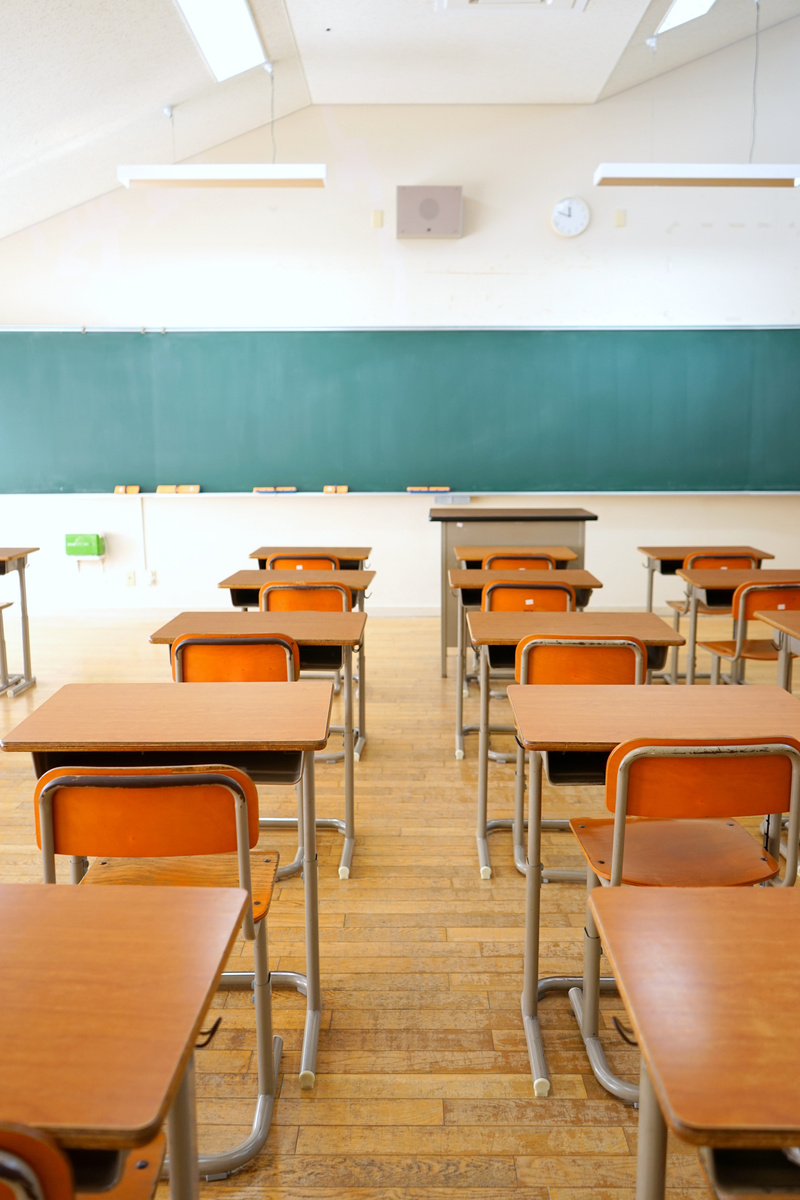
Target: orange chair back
{"x": 579, "y": 663}
{"x": 519, "y": 562}
{"x": 721, "y": 562}
{"x": 305, "y": 597}
{"x": 751, "y": 598}
{"x": 304, "y": 562}
{"x": 713, "y": 785}
{"x": 184, "y": 815}
{"x": 528, "y": 597}
{"x": 42, "y": 1157}
{"x": 235, "y": 658}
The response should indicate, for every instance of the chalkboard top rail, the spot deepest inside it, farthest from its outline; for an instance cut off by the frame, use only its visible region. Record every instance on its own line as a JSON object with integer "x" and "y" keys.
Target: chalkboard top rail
{"x": 476, "y": 513}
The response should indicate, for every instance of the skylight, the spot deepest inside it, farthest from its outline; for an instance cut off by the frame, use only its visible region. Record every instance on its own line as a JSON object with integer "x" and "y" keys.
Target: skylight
{"x": 225, "y": 34}
{"x": 681, "y": 11}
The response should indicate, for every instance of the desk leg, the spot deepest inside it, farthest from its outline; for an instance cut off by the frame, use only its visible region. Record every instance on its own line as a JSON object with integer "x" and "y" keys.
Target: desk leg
{"x": 483, "y": 768}
{"x": 533, "y": 889}
{"x": 784, "y": 663}
{"x": 28, "y": 680}
{"x": 308, "y": 1060}
{"x": 460, "y": 682}
{"x": 691, "y": 649}
{"x": 361, "y": 740}
{"x": 651, "y": 1160}
{"x": 349, "y": 772}
{"x": 182, "y": 1137}
{"x": 651, "y": 566}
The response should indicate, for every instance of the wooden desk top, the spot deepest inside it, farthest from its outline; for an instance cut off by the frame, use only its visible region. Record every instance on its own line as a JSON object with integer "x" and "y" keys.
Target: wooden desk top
{"x": 446, "y": 512}
{"x": 168, "y": 716}
{"x": 307, "y": 628}
{"x": 733, "y": 579}
{"x": 103, "y": 992}
{"x": 7, "y": 553}
{"x": 478, "y": 579}
{"x": 710, "y": 983}
{"x": 473, "y": 553}
{"x": 509, "y": 628}
{"x": 357, "y": 581}
{"x": 787, "y": 622}
{"x": 358, "y": 552}
{"x": 681, "y": 552}
{"x": 600, "y": 716}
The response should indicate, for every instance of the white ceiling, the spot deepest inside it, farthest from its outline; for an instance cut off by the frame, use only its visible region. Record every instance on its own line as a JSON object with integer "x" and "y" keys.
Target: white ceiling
{"x": 83, "y": 82}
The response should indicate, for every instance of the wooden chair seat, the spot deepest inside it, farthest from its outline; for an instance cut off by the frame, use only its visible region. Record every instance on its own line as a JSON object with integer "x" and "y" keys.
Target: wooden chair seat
{"x": 677, "y": 853}
{"x": 139, "y": 1175}
{"x": 198, "y": 870}
{"x": 756, "y": 648}
{"x": 682, "y": 607}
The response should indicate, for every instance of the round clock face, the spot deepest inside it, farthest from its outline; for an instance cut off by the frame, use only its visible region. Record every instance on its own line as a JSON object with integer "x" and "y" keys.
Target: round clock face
{"x": 570, "y": 217}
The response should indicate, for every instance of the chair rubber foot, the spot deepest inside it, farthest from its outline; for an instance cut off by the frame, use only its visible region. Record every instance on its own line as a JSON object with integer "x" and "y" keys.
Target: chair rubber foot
{"x": 307, "y": 1079}
{"x": 486, "y": 872}
{"x": 344, "y": 872}
{"x": 541, "y": 1087}
{"x": 459, "y": 755}
{"x": 356, "y": 756}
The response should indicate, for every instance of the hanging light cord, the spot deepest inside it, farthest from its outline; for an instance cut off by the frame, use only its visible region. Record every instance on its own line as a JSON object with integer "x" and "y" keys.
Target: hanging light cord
{"x": 755, "y": 82}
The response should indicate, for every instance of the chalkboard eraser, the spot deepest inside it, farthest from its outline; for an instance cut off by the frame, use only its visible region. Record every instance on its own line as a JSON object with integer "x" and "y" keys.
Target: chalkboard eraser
{"x": 335, "y": 489}
{"x": 188, "y": 489}
{"x": 166, "y": 489}
{"x": 285, "y": 489}
{"x": 126, "y": 489}
{"x": 262, "y": 490}
{"x": 438, "y": 489}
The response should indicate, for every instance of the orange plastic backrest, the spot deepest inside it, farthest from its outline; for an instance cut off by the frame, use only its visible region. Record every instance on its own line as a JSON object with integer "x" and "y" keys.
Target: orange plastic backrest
{"x": 713, "y": 786}
{"x": 764, "y": 599}
{"x": 538, "y": 597}
{"x": 153, "y": 822}
{"x": 721, "y": 562}
{"x": 305, "y": 562}
{"x": 305, "y": 597}
{"x": 41, "y": 1154}
{"x": 212, "y": 662}
{"x": 578, "y": 663}
{"x": 519, "y": 562}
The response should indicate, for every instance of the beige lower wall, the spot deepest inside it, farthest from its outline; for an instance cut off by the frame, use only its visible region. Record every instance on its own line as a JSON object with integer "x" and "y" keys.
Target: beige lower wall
{"x": 191, "y": 542}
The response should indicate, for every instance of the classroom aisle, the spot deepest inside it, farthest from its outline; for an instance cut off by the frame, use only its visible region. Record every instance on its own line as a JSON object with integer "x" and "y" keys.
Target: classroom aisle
{"x": 423, "y": 1087}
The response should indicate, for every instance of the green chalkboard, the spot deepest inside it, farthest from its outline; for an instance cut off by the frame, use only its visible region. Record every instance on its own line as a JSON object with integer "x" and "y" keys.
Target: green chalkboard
{"x": 521, "y": 410}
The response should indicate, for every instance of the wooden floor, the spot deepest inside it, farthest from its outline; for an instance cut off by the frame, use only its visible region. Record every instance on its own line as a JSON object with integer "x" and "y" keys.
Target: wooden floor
{"x": 423, "y": 1087}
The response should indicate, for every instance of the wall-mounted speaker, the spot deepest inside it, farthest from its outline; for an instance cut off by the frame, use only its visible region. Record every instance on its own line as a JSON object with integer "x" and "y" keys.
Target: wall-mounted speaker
{"x": 429, "y": 212}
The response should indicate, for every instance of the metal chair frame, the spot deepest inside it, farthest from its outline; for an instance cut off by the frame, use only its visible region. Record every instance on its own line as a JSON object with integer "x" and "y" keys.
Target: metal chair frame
{"x": 736, "y": 673}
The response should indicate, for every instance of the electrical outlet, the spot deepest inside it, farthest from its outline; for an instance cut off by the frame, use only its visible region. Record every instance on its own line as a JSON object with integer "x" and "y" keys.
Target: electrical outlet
{"x": 150, "y": 578}
{"x": 130, "y": 579}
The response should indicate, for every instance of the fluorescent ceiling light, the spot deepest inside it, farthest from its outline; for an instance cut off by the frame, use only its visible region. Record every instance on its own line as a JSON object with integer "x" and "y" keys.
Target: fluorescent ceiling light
{"x": 225, "y": 34}
{"x": 225, "y": 175}
{"x": 697, "y": 175}
{"x": 681, "y": 11}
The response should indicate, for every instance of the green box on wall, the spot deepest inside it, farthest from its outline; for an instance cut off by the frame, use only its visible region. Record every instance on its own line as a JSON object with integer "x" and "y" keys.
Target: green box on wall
{"x": 86, "y": 544}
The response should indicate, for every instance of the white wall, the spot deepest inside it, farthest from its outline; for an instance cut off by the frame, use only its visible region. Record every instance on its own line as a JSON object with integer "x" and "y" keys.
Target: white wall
{"x": 311, "y": 259}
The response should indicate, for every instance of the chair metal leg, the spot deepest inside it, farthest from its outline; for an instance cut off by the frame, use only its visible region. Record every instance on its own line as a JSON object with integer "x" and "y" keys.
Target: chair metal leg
{"x": 483, "y": 770}
{"x": 715, "y": 665}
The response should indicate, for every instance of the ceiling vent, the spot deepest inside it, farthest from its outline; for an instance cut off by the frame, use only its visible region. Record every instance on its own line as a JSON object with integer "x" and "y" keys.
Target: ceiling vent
{"x": 429, "y": 212}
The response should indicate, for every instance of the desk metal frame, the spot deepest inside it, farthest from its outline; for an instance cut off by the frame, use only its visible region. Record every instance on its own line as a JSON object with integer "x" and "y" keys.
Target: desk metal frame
{"x": 16, "y": 684}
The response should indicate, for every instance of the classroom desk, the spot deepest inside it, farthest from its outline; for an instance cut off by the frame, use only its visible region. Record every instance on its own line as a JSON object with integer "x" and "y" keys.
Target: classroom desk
{"x": 487, "y": 629}
{"x": 595, "y": 719}
{"x": 468, "y": 585}
{"x": 470, "y": 558}
{"x": 312, "y": 631}
{"x": 103, "y": 992}
{"x": 259, "y": 727}
{"x": 351, "y": 558}
{"x": 15, "y": 558}
{"x": 699, "y": 972}
{"x": 668, "y": 560}
{"x": 475, "y": 525}
{"x": 244, "y": 588}
{"x": 788, "y": 626}
{"x": 704, "y": 585}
